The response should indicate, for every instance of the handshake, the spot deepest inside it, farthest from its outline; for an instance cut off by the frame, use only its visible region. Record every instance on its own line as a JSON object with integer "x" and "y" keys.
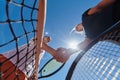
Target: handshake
{"x": 60, "y": 55}
{"x": 63, "y": 54}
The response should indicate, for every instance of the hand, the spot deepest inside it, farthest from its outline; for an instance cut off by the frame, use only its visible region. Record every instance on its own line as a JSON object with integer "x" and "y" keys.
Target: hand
{"x": 62, "y": 55}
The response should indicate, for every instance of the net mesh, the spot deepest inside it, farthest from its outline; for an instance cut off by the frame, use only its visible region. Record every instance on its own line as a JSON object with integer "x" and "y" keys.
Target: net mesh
{"x": 101, "y": 61}
{"x": 18, "y": 20}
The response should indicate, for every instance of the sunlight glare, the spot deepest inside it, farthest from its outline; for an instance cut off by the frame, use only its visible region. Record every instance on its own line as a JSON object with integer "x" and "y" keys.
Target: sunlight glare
{"x": 73, "y": 44}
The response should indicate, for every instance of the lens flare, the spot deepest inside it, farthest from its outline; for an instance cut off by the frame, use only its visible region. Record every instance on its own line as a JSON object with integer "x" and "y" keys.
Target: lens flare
{"x": 73, "y": 44}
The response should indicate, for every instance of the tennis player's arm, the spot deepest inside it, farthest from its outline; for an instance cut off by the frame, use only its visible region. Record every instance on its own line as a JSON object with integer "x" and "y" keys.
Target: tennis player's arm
{"x": 48, "y": 49}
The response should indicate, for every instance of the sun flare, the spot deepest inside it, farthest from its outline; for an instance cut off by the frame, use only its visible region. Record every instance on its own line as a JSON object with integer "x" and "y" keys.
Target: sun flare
{"x": 73, "y": 44}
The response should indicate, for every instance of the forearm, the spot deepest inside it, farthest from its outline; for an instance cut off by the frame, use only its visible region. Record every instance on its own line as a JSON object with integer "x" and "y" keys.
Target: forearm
{"x": 49, "y": 49}
{"x": 84, "y": 44}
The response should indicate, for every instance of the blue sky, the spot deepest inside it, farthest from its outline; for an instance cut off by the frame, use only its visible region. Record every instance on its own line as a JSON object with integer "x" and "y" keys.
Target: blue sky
{"x": 62, "y": 16}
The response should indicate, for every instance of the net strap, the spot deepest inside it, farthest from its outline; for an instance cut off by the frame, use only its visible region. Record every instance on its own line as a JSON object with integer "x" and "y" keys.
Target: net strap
{"x": 40, "y": 30}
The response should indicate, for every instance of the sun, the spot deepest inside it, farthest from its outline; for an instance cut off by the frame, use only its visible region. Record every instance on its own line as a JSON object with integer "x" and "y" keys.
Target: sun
{"x": 73, "y": 44}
